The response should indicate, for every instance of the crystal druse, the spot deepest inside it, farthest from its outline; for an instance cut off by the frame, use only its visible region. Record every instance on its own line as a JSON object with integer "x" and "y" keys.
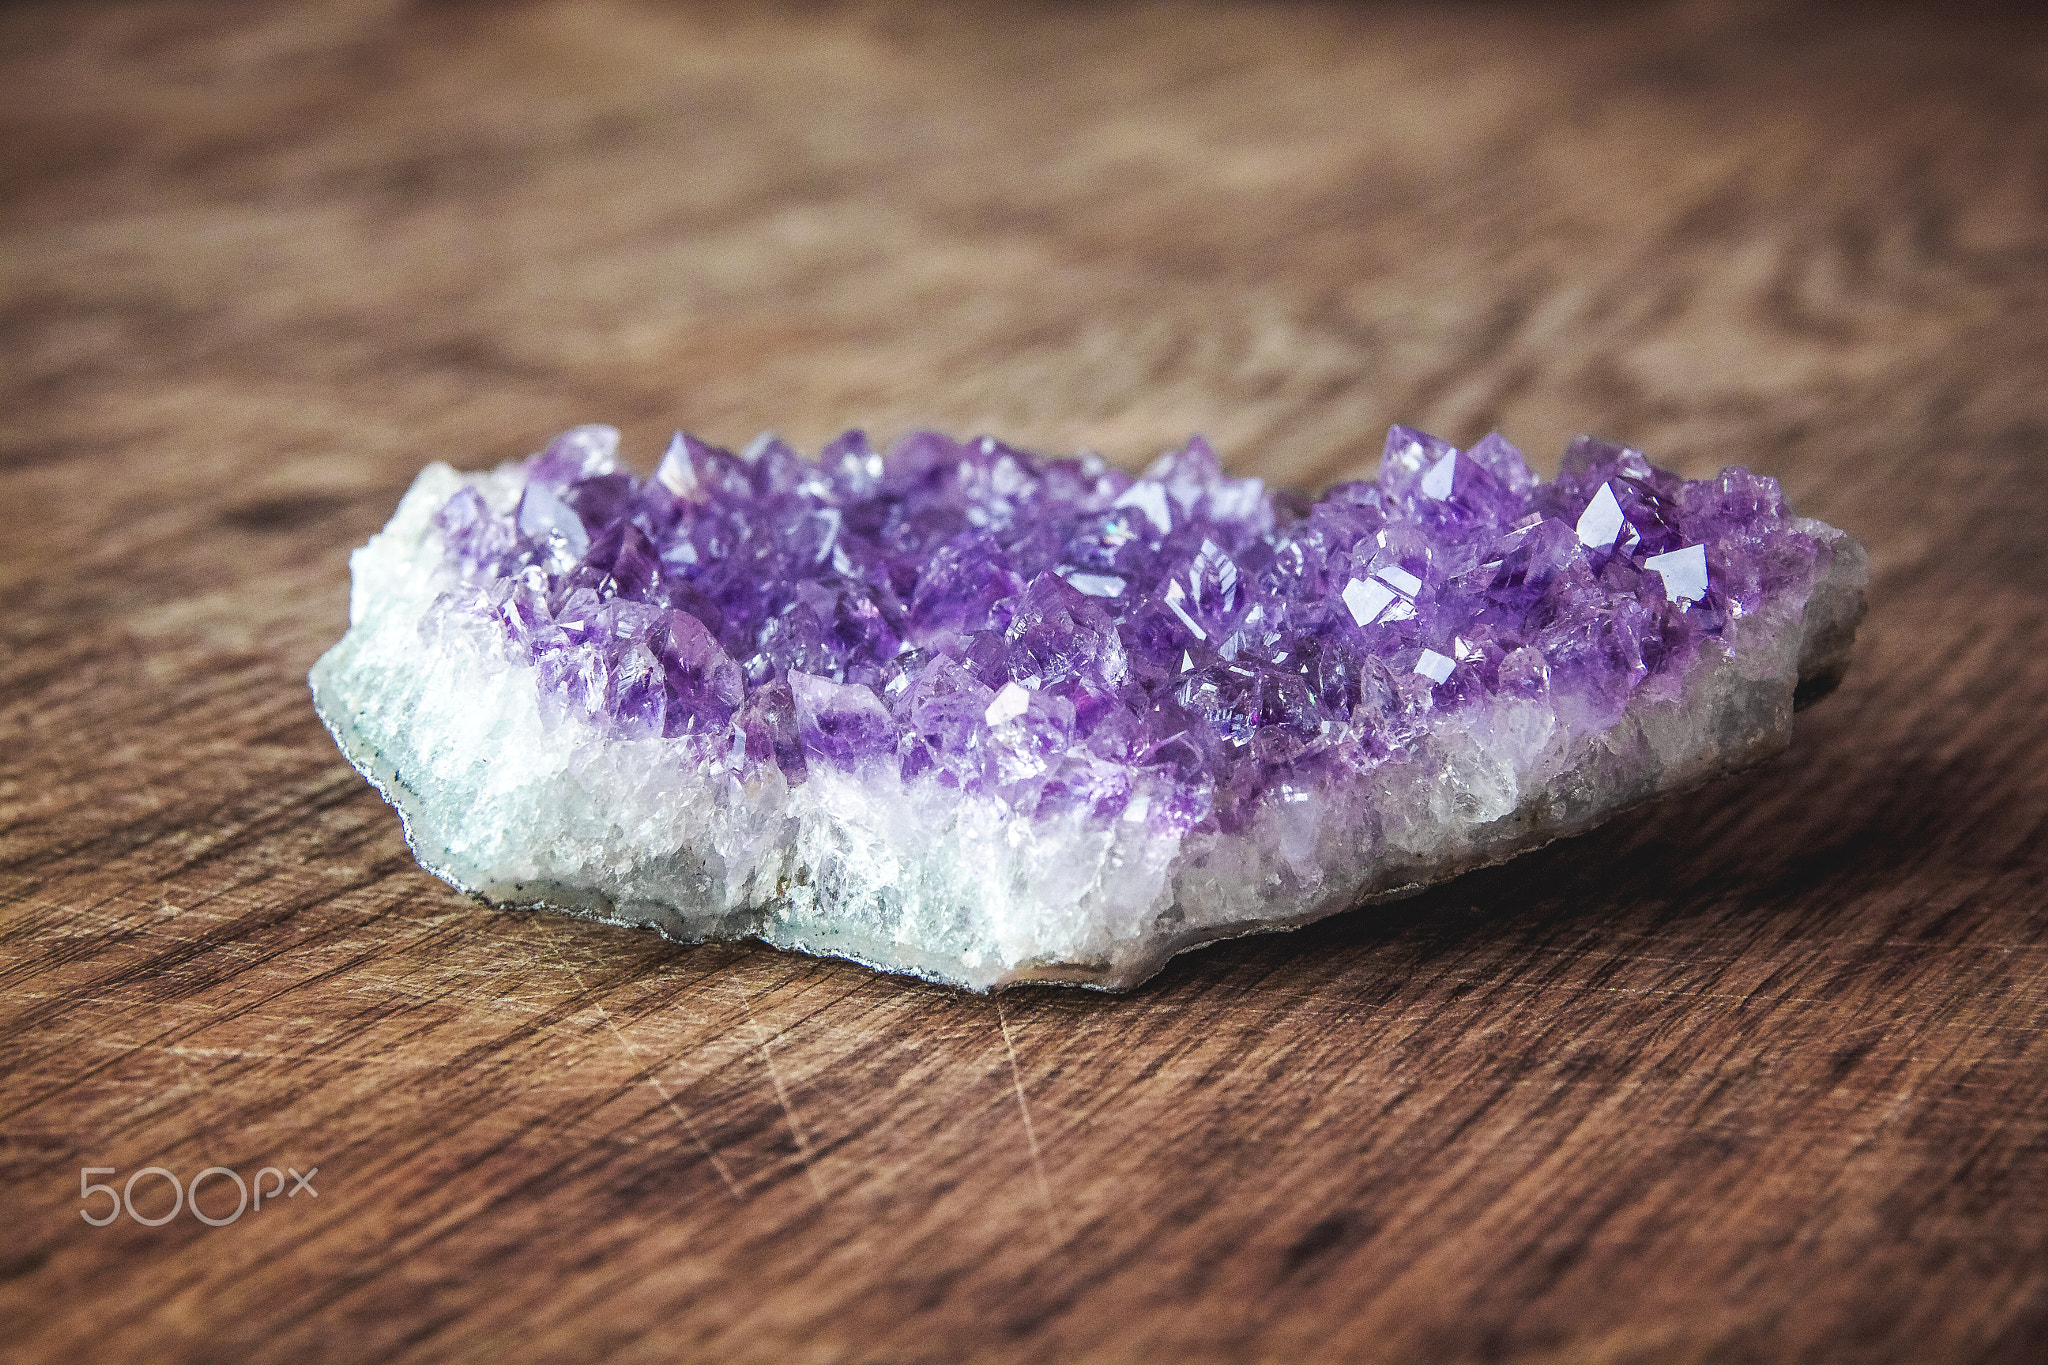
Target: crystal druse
{"x": 971, "y": 713}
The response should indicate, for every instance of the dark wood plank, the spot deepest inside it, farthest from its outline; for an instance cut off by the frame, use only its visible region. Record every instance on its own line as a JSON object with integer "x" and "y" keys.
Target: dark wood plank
{"x": 1759, "y": 1075}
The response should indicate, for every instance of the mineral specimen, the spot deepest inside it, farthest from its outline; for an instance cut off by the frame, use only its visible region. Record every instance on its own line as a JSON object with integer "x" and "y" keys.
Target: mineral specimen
{"x": 986, "y": 717}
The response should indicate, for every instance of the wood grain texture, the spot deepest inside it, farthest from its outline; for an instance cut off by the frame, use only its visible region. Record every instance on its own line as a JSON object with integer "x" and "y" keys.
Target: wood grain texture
{"x": 1759, "y": 1075}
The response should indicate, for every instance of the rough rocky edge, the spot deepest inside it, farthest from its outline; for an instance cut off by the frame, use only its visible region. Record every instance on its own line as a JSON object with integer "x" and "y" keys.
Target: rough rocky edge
{"x": 967, "y": 712}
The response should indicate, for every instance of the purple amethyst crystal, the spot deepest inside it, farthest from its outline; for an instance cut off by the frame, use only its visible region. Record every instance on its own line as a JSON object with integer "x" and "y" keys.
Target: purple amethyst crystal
{"x": 970, "y": 712}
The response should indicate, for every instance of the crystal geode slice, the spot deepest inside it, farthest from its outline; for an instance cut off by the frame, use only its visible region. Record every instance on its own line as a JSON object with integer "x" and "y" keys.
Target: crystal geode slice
{"x": 970, "y": 713}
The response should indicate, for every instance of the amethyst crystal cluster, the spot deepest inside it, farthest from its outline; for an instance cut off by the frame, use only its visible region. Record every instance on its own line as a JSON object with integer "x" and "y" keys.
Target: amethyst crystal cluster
{"x": 968, "y": 712}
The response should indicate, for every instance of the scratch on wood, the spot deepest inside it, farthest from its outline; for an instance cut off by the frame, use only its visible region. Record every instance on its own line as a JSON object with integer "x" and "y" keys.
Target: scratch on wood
{"x": 803, "y": 1145}
{"x": 1052, "y": 1215}
{"x": 634, "y": 1052}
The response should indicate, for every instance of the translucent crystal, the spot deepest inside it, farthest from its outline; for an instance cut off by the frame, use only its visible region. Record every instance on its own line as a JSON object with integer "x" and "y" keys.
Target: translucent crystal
{"x": 987, "y": 717}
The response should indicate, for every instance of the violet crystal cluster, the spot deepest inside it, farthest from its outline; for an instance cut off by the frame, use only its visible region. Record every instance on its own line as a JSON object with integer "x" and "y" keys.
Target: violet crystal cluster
{"x": 967, "y": 712}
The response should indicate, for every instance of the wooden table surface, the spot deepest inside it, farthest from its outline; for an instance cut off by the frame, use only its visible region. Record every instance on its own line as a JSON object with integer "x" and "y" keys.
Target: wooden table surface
{"x": 1759, "y": 1074}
